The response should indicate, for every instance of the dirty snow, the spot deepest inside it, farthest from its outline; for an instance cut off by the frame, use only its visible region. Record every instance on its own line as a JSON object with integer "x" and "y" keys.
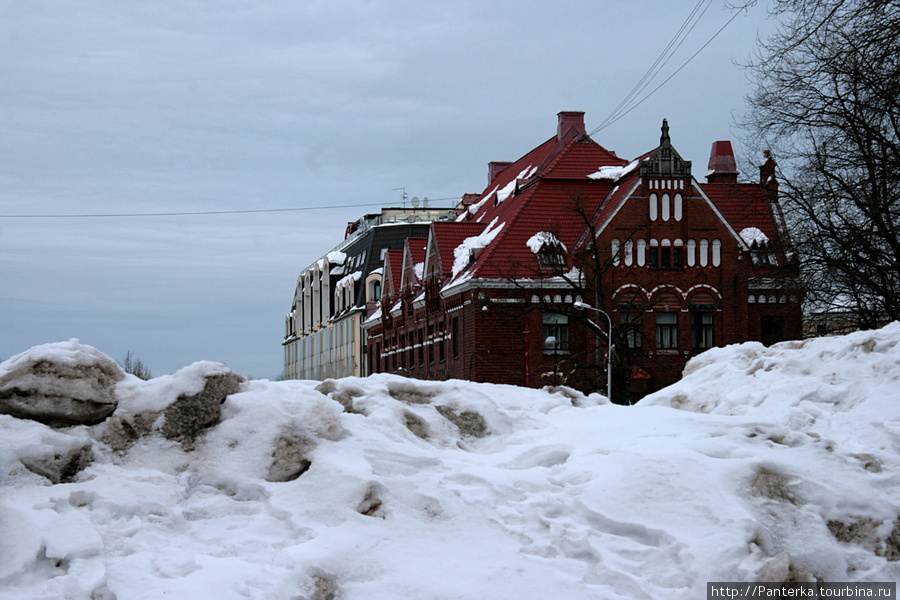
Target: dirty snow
{"x": 761, "y": 462}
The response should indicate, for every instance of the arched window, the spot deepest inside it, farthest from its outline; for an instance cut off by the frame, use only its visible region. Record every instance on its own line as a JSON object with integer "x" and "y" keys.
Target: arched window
{"x": 629, "y": 253}
{"x": 641, "y": 252}
{"x": 665, "y": 207}
{"x": 704, "y": 253}
{"x": 678, "y": 207}
{"x": 678, "y": 254}
{"x": 615, "y": 252}
{"x": 691, "y": 253}
{"x": 653, "y": 209}
{"x": 716, "y": 253}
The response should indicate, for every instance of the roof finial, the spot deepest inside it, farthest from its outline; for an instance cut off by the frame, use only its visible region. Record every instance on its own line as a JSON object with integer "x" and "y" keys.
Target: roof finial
{"x": 664, "y": 138}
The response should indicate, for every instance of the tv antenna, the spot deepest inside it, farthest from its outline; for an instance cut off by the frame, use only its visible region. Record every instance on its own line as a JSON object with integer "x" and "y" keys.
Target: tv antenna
{"x": 403, "y": 195}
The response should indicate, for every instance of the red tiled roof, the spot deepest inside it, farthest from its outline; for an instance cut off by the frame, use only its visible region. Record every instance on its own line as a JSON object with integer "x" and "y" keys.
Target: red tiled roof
{"x": 546, "y": 206}
{"x": 413, "y": 254}
{"x": 743, "y": 205}
{"x": 579, "y": 158}
{"x": 538, "y": 192}
{"x": 417, "y": 249}
{"x": 393, "y": 270}
{"x": 449, "y": 235}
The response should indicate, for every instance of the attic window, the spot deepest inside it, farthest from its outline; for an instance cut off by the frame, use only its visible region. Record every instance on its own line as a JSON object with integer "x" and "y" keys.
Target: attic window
{"x": 549, "y": 251}
{"x": 762, "y": 255}
{"x": 551, "y": 256}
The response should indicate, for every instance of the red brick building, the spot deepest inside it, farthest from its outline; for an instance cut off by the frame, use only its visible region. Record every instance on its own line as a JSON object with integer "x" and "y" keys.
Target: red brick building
{"x": 678, "y": 265}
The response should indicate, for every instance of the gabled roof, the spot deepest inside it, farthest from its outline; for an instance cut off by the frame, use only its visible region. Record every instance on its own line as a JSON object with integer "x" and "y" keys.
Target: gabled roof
{"x": 393, "y": 271}
{"x": 537, "y": 193}
{"x": 744, "y": 205}
{"x": 446, "y": 236}
{"x": 413, "y": 254}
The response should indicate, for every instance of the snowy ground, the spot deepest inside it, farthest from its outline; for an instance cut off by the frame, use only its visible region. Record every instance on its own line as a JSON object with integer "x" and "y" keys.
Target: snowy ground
{"x": 760, "y": 464}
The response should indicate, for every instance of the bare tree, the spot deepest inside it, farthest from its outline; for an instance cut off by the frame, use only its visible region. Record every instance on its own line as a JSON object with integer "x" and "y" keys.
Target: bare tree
{"x": 579, "y": 271}
{"x": 827, "y": 102}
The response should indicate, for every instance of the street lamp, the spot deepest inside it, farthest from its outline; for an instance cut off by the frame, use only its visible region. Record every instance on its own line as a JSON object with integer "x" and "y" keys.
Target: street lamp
{"x": 579, "y": 305}
{"x": 551, "y": 343}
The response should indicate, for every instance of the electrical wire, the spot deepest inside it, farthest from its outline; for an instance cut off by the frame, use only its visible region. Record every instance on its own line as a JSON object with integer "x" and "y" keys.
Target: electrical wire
{"x": 203, "y": 212}
{"x": 620, "y": 111}
{"x": 653, "y": 70}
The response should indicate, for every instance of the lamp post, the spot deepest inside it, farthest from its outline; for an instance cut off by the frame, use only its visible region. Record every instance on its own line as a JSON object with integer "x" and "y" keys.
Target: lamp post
{"x": 552, "y": 343}
{"x": 579, "y": 305}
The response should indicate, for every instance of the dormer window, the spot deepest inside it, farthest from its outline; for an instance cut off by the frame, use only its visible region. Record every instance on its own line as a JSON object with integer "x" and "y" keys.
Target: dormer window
{"x": 762, "y": 255}
{"x": 551, "y": 256}
{"x": 549, "y": 251}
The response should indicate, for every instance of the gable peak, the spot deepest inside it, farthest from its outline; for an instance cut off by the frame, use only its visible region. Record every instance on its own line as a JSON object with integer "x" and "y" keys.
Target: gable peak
{"x": 665, "y": 160}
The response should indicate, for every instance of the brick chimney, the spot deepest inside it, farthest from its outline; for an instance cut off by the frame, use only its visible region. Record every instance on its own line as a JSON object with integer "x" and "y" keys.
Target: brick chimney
{"x": 722, "y": 168}
{"x": 494, "y": 169}
{"x": 567, "y": 121}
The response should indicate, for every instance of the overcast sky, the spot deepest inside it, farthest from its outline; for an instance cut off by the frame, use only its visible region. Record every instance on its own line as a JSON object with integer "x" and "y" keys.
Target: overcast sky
{"x": 111, "y": 107}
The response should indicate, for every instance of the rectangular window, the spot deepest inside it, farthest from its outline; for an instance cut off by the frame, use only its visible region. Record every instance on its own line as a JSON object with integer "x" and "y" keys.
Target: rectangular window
{"x": 677, "y": 258}
{"x": 442, "y": 343}
{"x": 665, "y": 258}
{"x": 454, "y": 337}
{"x": 654, "y": 257}
{"x": 701, "y": 331}
{"x": 422, "y": 347}
{"x": 431, "y": 344}
{"x": 556, "y": 333}
{"x": 630, "y": 327}
{"x": 666, "y": 331}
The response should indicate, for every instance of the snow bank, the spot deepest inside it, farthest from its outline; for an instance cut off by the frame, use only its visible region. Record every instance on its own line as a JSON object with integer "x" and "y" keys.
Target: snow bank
{"x": 762, "y": 463}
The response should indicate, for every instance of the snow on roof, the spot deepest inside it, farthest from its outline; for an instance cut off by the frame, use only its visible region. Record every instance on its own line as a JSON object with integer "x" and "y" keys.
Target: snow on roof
{"x": 374, "y": 318}
{"x": 753, "y": 235}
{"x": 502, "y": 194}
{"x": 336, "y": 258}
{"x": 462, "y": 253}
{"x": 419, "y": 269}
{"x": 615, "y": 173}
{"x": 351, "y": 278}
{"x": 542, "y": 238}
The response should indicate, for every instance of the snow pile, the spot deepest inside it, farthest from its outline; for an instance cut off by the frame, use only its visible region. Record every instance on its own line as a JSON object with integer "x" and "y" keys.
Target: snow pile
{"x": 775, "y": 463}
{"x": 754, "y": 235}
{"x": 544, "y": 238}
{"x": 61, "y": 383}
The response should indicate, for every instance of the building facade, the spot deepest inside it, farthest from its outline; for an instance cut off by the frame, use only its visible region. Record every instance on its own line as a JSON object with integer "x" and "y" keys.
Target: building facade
{"x": 676, "y": 265}
{"x": 323, "y": 333}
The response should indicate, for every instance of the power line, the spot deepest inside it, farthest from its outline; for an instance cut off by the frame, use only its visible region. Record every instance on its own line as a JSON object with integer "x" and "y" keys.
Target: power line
{"x": 620, "y": 111}
{"x": 666, "y": 80}
{"x": 655, "y": 67}
{"x": 200, "y": 213}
